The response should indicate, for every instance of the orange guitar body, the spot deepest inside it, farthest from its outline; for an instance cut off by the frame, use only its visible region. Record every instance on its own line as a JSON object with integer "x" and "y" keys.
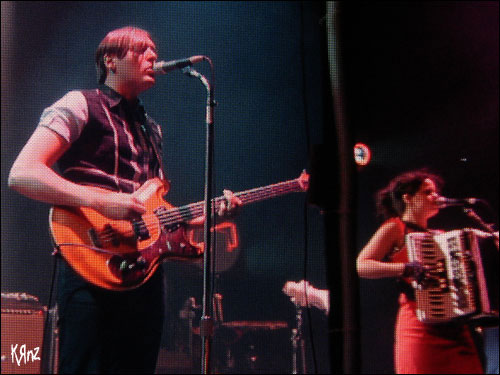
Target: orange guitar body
{"x": 120, "y": 254}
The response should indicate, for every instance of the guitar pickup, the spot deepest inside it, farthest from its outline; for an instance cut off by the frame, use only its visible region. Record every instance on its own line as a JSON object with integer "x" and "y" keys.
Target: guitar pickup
{"x": 140, "y": 230}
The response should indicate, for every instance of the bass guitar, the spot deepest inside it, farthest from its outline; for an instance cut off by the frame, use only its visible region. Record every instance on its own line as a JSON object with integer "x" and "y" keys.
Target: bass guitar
{"x": 120, "y": 254}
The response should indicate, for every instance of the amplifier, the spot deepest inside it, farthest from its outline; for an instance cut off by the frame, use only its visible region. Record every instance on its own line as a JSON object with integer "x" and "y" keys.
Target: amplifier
{"x": 22, "y": 335}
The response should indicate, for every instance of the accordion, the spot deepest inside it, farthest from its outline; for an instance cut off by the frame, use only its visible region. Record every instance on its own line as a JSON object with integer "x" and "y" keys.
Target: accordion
{"x": 462, "y": 276}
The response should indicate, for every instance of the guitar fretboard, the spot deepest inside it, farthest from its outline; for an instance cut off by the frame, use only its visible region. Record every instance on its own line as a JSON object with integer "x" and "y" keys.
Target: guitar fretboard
{"x": 194, "y": 210}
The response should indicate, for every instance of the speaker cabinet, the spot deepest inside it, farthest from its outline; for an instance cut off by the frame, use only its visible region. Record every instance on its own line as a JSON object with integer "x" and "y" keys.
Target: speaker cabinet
{"x": 22, "y": 340}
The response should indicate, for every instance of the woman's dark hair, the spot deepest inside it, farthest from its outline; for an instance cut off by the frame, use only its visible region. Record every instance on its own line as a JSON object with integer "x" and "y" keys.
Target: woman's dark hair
{"x": 390, "y": 199}
{"x": 117, "y": 43}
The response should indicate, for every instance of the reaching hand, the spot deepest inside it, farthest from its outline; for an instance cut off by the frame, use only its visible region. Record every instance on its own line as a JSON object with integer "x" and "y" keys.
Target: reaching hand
{"x": 229, "y": 207}
{"x": 303, "y": 294}
{"x": 416, "y": 271}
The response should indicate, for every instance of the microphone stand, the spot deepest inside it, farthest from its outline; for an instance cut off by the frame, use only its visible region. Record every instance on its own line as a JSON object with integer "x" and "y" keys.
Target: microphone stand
{"x": 206, "y": 322}
{"x": 473, "y": 215}
{"x": 487, "y": 227}
{"x": 298, "y": 342}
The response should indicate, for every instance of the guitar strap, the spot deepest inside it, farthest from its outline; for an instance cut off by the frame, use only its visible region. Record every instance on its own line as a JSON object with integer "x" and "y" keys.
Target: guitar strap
{"x": 147, "y": 134}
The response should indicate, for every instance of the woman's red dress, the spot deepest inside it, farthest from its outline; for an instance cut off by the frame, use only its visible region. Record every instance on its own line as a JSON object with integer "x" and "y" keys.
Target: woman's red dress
{"x": 422, "y": 348}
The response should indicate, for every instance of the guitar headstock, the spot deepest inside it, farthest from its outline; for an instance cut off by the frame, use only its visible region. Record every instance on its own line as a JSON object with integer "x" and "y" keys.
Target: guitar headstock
{"x": 303, "y": 180}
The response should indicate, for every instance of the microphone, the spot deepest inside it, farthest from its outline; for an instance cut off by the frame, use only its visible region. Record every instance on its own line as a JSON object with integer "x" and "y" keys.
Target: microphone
{"x": 447, "y": 202}
{"x": 163, "y": 67}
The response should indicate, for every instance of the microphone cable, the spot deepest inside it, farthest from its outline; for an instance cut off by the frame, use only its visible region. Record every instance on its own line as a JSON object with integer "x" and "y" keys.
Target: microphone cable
{"x": 47, "y": 363}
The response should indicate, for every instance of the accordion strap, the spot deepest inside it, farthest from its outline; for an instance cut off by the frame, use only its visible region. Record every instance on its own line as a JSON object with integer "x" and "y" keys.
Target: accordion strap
{"x": 414, "y": 227}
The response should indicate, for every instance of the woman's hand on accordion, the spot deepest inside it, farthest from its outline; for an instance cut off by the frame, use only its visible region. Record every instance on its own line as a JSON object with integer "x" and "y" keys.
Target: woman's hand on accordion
{"x": 417, "y": 271}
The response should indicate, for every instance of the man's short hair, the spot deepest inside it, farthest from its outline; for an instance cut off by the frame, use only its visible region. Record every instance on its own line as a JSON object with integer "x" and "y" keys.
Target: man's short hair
{"x": 117, "y": 43}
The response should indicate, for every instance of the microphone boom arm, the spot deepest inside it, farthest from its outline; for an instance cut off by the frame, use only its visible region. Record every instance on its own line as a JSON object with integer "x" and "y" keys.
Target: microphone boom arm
{"x": 473, "y": 215}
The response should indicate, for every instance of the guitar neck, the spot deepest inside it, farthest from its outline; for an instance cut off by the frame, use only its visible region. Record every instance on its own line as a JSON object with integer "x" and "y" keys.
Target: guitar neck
{"x": 195, "y": 210}
{"x": 266, "y": 192}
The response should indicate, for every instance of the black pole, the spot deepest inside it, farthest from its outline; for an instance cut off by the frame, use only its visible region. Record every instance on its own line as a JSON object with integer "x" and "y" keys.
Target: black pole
{"x": 345, "y": 225}
{"x": 206, "y": 322}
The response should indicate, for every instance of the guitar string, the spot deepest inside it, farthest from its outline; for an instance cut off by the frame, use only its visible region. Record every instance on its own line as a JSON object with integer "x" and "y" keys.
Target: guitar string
{"x": 175, "y": 215}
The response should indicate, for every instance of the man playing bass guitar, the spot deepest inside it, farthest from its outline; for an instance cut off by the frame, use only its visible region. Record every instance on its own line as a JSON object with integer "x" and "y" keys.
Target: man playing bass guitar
{"x": 106, "y": 147}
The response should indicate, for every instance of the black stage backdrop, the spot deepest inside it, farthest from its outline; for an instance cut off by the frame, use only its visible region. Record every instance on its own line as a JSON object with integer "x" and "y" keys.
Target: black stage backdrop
{"x": 421, "y": 88}
{"x": 421, "y": 81}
